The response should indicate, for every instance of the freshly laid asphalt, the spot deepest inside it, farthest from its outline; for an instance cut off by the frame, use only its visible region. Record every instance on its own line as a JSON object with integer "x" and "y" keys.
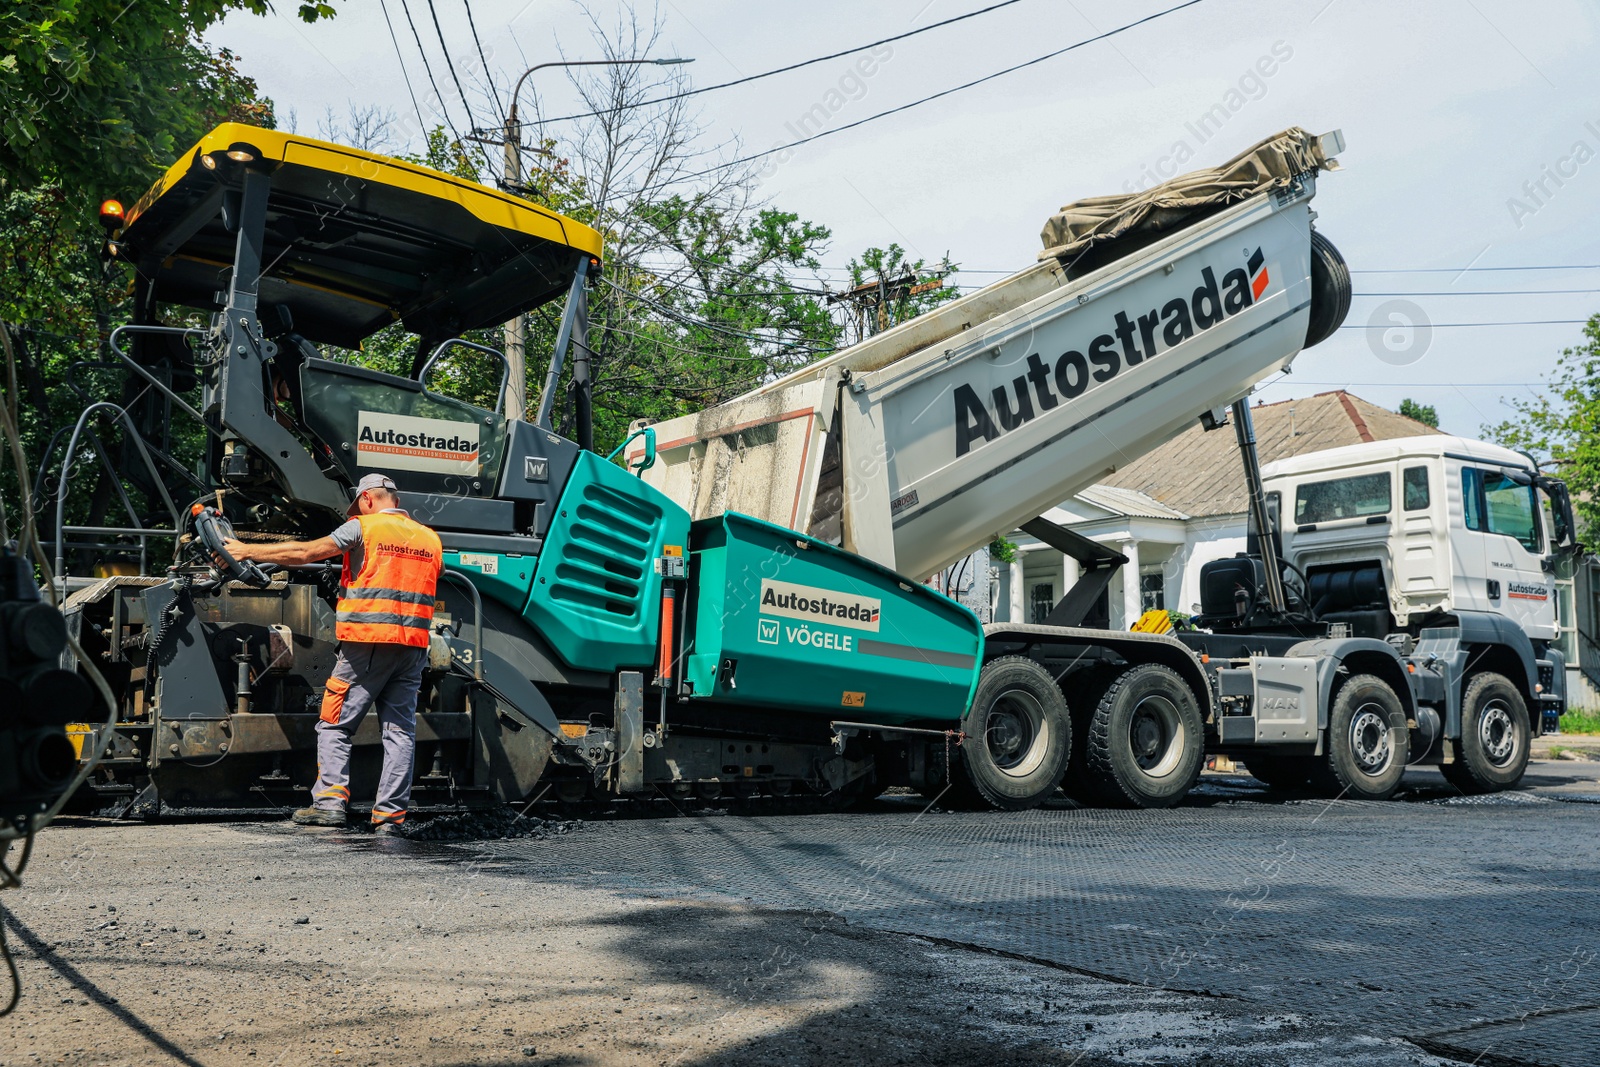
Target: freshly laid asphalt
{"x": 1239, "y": 928}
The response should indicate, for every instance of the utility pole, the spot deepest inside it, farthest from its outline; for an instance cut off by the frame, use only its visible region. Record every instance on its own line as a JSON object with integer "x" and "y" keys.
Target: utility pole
{"x": 871, "y": 303}
{"x": 516, "y": 329}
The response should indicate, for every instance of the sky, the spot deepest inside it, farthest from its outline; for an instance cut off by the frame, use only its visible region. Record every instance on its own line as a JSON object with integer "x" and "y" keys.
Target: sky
{"x": 1472, "y": 131}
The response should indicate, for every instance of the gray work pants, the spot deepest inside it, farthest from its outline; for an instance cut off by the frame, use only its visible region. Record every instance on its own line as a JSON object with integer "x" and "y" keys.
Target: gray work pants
{"x": 367, "y": 675}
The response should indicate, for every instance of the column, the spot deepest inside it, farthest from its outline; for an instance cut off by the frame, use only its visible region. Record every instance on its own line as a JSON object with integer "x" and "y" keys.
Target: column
{"x": 1019, "y": 595}
{"x": 1132, "y": 601}
{"x": 1070, "y": 573}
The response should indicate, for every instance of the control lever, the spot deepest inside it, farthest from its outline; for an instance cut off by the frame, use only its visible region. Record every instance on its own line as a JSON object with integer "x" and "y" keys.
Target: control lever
{"x": 212, "y": 529}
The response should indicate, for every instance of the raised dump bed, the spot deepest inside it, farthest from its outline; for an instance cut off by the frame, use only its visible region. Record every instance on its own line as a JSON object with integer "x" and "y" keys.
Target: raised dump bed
{"x": 1142, "y": 314}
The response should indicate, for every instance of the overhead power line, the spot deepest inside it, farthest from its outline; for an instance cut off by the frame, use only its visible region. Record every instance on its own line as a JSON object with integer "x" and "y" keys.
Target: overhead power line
{"x": 1452, "y": 325}
{"x": 792, "y": 66}
{"x": 1485, "y": 292}
{"x": 405, "y": 72}
{"x": 487, "y": 73}
{"x": 428, "y": 67}
{"x": 449, "y": 64}
{"x": 939, "y": 95}
{"x": 1465, "y": 270}
{"x": 689, "y": 320}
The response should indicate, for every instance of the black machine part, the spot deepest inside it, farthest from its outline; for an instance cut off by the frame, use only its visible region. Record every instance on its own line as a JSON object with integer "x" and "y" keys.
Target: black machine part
{"x": 211, "y": 529}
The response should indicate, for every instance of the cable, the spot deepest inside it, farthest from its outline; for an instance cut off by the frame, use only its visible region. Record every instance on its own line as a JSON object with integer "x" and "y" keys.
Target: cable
{"x": 13, "y": 878}
{"x": 938, "y": 95}
{"x": 1452, "y": 325}
{"x": 405, "y": 72}
{"x": 449, "y": 64}
{"x": 689, "y": 320}
{"x": 1485, "y": 292}
{"x": 493, "y": 97}
{"x": 785, "y": 70}
{"x": 406, "y": 7}
{"x": 1464, "y": 270}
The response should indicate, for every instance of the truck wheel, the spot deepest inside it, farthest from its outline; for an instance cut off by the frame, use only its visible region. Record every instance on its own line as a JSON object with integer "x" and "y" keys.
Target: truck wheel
{"x": 1286, "y": 773}
{"x": 1017, "y": 736}
{"x": 1146, "y": 741}
{"x": 1368, "y": 743}
{"x": 1494, "y": 736}
{"x": 1330, "y": 290}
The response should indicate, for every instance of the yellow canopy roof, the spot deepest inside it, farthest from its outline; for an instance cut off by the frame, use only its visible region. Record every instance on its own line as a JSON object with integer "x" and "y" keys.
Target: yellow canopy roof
{"x": 353, "y": 240}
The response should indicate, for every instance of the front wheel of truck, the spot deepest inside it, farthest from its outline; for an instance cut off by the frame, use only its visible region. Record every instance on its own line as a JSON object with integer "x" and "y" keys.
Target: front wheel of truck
{"x": 1494, "y": 736}
{"x": 1018, "y": 736}
{"x": 1368, "y": 744}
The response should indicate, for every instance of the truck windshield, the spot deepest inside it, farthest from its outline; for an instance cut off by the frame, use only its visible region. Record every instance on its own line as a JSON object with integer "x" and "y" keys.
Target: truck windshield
{"x": 1355, "y": 497}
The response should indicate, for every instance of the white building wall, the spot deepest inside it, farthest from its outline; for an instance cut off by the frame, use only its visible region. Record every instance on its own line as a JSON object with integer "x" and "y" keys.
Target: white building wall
{"x": 1205, "y": 540}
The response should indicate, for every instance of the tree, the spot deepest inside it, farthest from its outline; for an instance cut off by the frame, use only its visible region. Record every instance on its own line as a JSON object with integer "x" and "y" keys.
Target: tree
{"x": 705, "y": 290}
{"x": 93, "y": 104}
{"x": 1559, "y": 427}
{"x": 101, "y": 103}
{"x": 1423, "y": 413}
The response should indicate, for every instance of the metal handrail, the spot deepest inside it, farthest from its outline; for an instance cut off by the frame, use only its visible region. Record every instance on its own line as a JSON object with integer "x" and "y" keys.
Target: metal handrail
{"x": 160, "y": 386}
{"x": 477, "y": 619}
{"x": 505, "y": 366}
{"x": 66, "y": 477}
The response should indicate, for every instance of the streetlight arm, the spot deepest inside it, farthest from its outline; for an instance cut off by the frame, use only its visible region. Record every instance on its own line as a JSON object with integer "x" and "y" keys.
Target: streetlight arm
{"x": 667, "y": 62}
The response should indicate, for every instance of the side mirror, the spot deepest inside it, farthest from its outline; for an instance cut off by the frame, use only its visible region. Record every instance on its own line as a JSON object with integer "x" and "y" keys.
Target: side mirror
{"x": 1564, "y": 535}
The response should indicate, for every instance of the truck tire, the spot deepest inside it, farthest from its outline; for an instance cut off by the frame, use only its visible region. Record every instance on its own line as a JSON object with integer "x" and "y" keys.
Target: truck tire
{"x": 1494, "y": 736}
{"x": 1146, "y": 740}
{"x": 1287, "y": 774}
{"x": 1330, "y": 290}
{"x": 1017, "y": 737}
{"x": 1368, "y": 743}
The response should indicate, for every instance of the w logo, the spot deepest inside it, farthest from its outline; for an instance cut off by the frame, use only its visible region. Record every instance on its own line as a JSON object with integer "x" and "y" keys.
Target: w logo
{"x": 767, "y": 631}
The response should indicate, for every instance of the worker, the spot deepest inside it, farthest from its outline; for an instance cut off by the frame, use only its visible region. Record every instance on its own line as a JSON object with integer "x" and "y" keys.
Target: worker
{"x": 386, "y": 597}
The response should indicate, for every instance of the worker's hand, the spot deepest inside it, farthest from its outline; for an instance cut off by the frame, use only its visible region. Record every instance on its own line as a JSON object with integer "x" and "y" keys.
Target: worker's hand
{"x": 237, "y": 549}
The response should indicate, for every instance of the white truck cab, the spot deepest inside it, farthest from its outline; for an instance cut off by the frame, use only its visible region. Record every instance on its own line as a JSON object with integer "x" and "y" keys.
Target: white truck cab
{"x": 1392, "y": 536}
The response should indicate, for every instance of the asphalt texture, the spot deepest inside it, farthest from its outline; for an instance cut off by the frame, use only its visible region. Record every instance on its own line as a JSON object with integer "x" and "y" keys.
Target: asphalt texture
{"x": 1241, "y": 928}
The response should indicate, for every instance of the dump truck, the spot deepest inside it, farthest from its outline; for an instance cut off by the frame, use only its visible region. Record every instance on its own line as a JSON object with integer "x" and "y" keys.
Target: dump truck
{"x": 734, "y": 607}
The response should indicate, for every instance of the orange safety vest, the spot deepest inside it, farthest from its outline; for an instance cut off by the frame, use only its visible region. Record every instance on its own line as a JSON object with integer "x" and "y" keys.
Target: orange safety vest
{"x": 391, "y": 600}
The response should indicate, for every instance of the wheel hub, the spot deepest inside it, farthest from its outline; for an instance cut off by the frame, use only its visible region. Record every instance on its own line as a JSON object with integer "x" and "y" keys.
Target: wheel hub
{"x": 1015, "y": 733}
{"x": 1156, "y": 736}
{"x": 1369, "y": 739}
{"x": 1497, "y": 734}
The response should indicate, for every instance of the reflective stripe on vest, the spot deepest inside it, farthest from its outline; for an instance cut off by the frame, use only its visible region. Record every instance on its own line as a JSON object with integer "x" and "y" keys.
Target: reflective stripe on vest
{"x": 391, "y": 600}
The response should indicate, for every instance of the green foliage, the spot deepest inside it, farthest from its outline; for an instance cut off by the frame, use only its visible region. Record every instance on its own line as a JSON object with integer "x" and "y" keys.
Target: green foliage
{"x": 1558, "y": 427}
{"x": 1002, "y": 551}
{"x": 894, "y": 302}
{"x": 1579, "y": 721}
{"x": 101, "y": 95}
{"x": 446, "y": 156}
{"x": 97, "y": 99}
{"x": 1423, "y": 413}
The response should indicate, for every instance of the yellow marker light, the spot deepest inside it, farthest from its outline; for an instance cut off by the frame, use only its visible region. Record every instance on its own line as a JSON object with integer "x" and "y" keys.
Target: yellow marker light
{"x": 111, "y": 214}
